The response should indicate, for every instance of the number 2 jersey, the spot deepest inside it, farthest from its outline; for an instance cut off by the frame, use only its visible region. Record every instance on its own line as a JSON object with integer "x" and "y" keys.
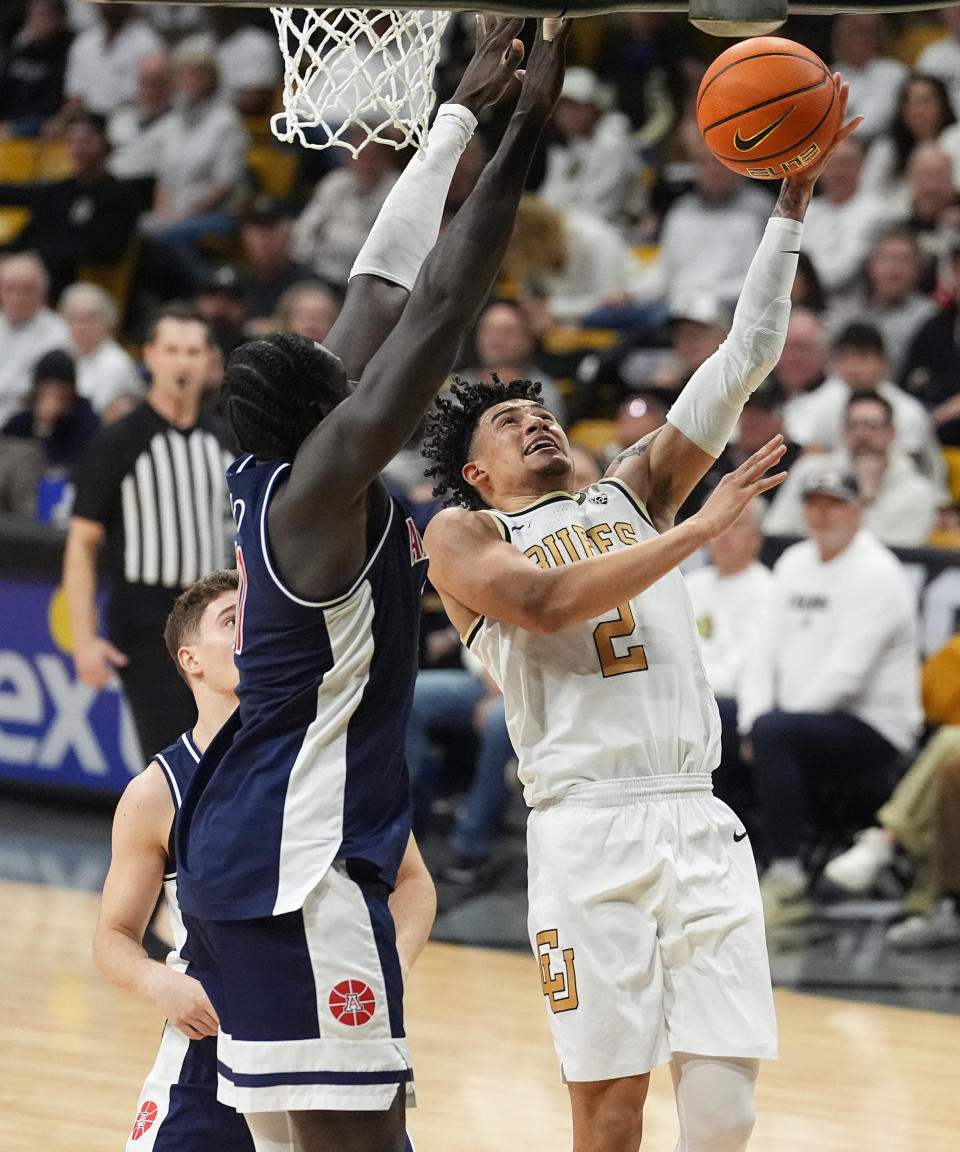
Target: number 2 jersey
{"x": 310, "y": 769}
{"x": 619, "y": 696}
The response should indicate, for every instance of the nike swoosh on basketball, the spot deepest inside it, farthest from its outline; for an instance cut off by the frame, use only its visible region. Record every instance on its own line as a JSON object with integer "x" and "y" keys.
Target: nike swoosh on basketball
{"x": 751, "y": 142}
{"x": 742, "y": 836}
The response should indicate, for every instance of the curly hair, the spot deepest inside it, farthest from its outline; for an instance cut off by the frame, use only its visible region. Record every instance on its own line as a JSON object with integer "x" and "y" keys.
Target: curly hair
{"x": 275, "y": 391}
{"x": 450, "y": 428}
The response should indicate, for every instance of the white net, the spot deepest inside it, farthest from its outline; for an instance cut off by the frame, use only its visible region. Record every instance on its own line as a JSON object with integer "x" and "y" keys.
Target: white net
{"x": 356, "y": 75}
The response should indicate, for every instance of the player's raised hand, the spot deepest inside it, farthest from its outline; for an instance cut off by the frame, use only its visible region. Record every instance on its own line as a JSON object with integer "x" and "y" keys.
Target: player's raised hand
{"x": 543, "y": 75}
{"x": 807, "y": 177}
{"x": 496, "y": 58}
{"x": 738, "y": 488}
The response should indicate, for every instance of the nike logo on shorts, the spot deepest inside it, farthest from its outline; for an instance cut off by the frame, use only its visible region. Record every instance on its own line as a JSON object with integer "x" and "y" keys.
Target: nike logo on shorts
{"x": 751, "y": 142}
{"x": 742, "y": 836}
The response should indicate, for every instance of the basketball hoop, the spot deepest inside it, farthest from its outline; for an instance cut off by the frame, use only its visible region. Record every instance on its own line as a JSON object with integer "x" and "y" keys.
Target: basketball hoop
{"x": 355, "y": 75}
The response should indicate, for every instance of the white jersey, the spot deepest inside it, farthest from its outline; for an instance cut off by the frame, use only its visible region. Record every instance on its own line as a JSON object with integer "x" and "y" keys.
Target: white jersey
{"x": 622, "y": 695}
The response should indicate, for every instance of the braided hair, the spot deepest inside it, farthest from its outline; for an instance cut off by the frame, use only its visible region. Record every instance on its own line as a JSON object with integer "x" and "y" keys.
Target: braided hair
{"x": 275, "y": 391}
{"x": 450, "y": 428}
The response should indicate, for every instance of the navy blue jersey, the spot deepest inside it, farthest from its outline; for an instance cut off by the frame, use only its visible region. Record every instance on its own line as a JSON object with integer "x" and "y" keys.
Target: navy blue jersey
{"x": 311, "y": 767}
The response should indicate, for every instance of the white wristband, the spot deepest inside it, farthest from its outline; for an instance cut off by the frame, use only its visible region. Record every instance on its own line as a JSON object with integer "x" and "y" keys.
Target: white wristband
{"x": 409, "y": 221}
{"x": 708, "y": 408}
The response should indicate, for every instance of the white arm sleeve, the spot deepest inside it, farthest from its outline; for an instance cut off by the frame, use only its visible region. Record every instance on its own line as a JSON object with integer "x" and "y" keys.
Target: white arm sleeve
{"x": 409, "y": 221}
{"x": 708, "y": 408}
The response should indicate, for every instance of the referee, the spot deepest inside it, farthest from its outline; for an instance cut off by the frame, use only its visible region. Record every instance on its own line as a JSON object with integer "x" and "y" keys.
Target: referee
{"x": 151, "y": 487}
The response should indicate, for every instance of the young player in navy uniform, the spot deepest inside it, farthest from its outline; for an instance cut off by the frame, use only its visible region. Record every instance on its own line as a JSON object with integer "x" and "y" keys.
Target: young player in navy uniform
{"x": 178, "y": 1110}
{"x": 293, "y": 828}
{"x": 644, "y": 907}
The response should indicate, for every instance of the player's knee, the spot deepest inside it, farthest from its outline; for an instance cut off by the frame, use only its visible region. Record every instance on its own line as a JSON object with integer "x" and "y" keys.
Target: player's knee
{"x": 723, "y": 1125}
{"x": 616, "y": 1126}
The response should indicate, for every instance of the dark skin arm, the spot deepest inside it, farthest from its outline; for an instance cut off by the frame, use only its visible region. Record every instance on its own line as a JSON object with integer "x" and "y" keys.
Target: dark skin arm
{"x": 333, "y": 494}
{"x": 665, "y": 466}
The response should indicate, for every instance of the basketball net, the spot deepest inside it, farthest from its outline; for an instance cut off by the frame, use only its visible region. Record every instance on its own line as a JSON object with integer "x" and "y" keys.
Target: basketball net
{"x": 356, "y": 75}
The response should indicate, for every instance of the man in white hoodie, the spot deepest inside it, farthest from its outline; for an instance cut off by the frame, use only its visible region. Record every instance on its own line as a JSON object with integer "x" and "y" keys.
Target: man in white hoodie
{"x": 830, "y": 700}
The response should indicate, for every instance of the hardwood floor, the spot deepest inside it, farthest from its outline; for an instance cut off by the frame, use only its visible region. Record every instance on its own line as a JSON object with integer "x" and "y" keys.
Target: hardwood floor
{"x": 73, "y": 1053}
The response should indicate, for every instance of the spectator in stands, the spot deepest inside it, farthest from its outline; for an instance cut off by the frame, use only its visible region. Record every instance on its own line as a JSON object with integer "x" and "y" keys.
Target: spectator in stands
{"x": 309, "y": 309}
{"x": 32, "y": 70}
{"x": 710, "y": 232}
{"x": 899, "y": 502}
{"x": 888, "y": 297}
{"x": 248, "y": 59}
{"x": 807, "y": 291}
{"x": 200, "y": 162}
{"x": 638, "y": 414}
{"x": 801, "y": 369}
{"x": 103, "y": 61}
{"x": 88, "y": 218}
{"x": 28, "y": 328}
{"x": 592, "y": 164}
{"x": 859, "y": 52}
{"x": 830, "y": 699}
{"x": 105, "y": 372}
{"x": 52, "y": 431}
{"x": 842, "y": 221}
{"x": 329, "y": 232}
{"x": 507, "y": 347}
{"x": 641, "y": 56}
{"x": 134, "y": 126}
{"x": 455, "y": 702}
{"x": 920, "y": 820}
{"x": 859, "y": 364}
{"x": 730, "y": 597}
{"x": 933, "y": 211}
{"x": 567, "y": 263}
{"x": 699, "y": 323}
{"x": 222, "y": 303}
{"x": 931, "y": 369}
{"x": 942, "y": 57}
{"x": 924, "y": 116}
{"x": 152, "y": 488}
{"x": 266, "y": 234}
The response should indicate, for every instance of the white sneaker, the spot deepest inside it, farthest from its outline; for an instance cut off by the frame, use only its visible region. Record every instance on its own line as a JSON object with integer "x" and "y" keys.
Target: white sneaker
{"x": 857, "y": 869}
{"x": 941, "y": 925}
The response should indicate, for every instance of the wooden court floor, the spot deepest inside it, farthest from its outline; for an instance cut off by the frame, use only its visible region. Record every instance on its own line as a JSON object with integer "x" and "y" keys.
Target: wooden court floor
{"x": 73, "y": 1052}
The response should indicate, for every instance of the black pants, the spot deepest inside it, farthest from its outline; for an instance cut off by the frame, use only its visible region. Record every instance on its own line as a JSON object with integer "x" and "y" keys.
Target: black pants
{"x": 161, "y": 703}
{"x": 807, "y": 767}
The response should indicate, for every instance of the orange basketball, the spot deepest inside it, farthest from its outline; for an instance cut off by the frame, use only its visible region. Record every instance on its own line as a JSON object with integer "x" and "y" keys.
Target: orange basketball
{"x": 768, "y": 106}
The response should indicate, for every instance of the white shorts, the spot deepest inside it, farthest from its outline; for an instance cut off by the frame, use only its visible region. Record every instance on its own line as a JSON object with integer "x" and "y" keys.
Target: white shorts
{"x": 645, "y": 915}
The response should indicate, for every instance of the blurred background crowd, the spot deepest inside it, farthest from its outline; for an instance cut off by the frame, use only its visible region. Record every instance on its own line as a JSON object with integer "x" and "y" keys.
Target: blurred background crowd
{"x": 137, "y": 168}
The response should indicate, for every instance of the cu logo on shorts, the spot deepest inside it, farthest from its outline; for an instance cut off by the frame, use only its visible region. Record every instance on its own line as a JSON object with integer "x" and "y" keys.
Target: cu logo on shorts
{"x": 352, "y": 1002}
{"x": 145, "y": 1119}
{"x": 559, "y": 987}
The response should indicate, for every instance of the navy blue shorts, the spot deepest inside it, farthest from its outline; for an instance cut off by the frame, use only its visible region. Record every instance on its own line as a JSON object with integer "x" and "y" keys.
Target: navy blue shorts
{"x": 310, "y": 1002}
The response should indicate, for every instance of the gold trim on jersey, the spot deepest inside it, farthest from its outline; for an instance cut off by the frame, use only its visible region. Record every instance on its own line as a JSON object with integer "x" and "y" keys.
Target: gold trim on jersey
{"x": 630, "y": 495}
{"x": 548, "y": 498}
{"x": 501, "y": 527}
{"x": 471, "y": 633}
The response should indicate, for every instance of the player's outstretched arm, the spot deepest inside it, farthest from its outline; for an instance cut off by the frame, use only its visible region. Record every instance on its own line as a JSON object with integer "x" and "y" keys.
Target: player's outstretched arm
{"x": 141, "y": 828}
{"x": 408, "y": 223}
{"x": 477, "y": 573}
{"x": 664, "y": 468}
{"x": 398, "y": 385}
{"x": 413, "y": 904}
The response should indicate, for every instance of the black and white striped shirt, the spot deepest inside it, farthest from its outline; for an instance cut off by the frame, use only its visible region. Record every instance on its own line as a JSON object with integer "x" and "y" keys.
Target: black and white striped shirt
{"x": 161, "y": 494}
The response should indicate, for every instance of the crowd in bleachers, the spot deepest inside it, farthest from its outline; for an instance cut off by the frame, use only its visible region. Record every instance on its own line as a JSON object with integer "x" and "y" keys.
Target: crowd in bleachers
{"x": 137, "y": 167}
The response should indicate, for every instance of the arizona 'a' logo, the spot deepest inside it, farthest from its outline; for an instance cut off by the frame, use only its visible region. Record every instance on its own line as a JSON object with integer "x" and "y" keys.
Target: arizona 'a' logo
{"x": 417, "y": 550}
{"x": 352, "y": 1002}
{"x": 145, "y": 1119}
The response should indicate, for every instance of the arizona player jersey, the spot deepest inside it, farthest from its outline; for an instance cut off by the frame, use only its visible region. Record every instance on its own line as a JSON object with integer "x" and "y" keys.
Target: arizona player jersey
{"x": 310, "y": 769}
{"x": 179, "y": 762}
{"x": 619, "y": 696}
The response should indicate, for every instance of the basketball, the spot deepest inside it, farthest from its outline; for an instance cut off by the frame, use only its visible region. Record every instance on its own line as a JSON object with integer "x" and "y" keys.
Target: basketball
{"x": 768, "y": 106}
